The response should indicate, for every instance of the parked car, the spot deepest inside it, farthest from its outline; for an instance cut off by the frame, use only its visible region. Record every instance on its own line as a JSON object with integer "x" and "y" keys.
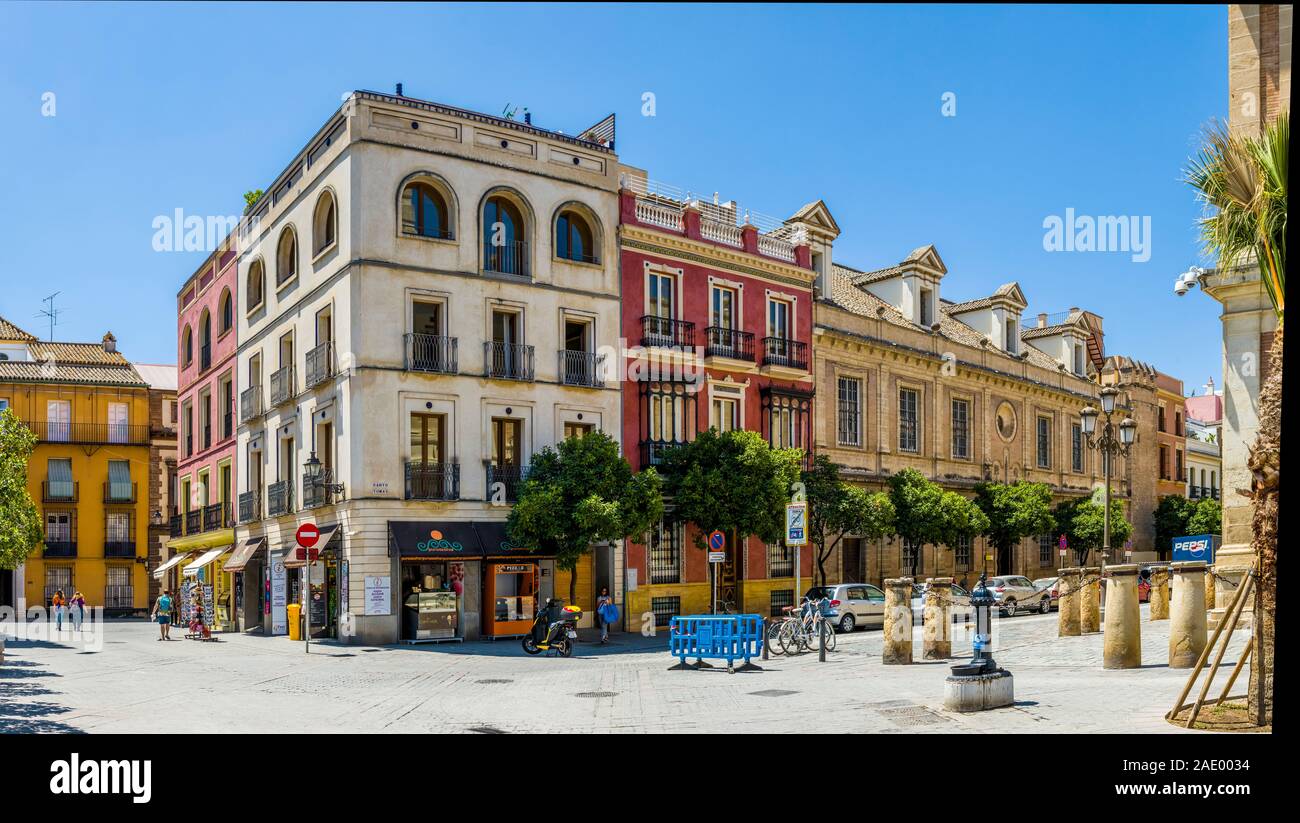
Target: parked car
{"x": 853, "y": 604}
{"x": 1016, "y": 594}
{"x": 960, "y": 598}
{"x": 1053, "y": 585}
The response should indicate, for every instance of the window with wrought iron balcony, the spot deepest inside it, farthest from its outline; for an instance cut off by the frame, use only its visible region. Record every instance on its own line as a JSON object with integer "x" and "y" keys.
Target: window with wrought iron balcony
{"x": 250, "y": 507}
{"x": 786, "y": 353}
{"x": 282, "y": 388}
{"x": 509, "y": 361}
{"x": 320, "y": 364}
{"x": 506, "y": 479}
{"x": 319, "y": 486}
{"x": 431, "y": 353}
{"x": 119, "y": 536}
{"x": 60, "y": 534}
{"x": 665, "y": 332}
{"x": 581, "y": 368}
{"x": 250, "y": 403}
{"x": 730, "y": 343}
{"x": 279, "y": 498}
{"x": 432, "y": 481}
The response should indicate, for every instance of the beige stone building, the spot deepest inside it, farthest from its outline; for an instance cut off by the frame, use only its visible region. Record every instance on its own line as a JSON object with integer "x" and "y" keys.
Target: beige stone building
{"x": 428, "y": 296}
{"x": 963, "y": 391}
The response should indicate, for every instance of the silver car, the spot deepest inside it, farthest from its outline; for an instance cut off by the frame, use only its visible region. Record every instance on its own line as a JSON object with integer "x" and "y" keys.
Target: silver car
{"x": 854, "y": 604}
{"x": 1052, "y": 584}
{"x": 1016, "y": 594}
{"x": 960, "y": 602}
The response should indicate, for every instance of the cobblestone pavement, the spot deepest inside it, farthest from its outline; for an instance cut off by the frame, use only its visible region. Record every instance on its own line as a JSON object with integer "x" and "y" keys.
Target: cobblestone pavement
{"x": 248, "y": 683}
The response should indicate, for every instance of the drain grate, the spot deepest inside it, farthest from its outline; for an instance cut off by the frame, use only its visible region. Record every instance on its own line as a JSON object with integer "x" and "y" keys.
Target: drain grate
{"x": 486, "y": 730}
{"x": 492, "y": 681}
{"x": 596, "y": 694}
{"x": 773, "y": 693}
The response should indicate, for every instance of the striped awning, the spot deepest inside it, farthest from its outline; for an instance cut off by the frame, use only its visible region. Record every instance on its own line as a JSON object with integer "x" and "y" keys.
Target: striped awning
{"x": 246, "y": 551}
{"x": 119, "y": 479}
{"x": 204, "y": 559}
{"x": 171, "y": 563}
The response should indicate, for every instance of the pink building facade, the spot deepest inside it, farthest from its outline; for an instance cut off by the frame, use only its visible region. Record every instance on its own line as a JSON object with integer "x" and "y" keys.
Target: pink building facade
{"x": 202, "y": 520}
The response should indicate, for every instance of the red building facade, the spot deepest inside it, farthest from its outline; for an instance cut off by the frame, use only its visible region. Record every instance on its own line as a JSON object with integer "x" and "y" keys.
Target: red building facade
{"x": 717, "y": 319}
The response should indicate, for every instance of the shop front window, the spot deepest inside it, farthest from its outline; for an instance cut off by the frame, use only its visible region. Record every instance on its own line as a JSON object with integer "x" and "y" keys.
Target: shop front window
{"x": 431, "y": 599}
{"x": 514, "y": 592}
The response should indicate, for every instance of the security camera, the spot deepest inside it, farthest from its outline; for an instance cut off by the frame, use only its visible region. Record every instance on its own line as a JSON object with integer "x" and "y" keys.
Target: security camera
{"x": 1180, "y": 286}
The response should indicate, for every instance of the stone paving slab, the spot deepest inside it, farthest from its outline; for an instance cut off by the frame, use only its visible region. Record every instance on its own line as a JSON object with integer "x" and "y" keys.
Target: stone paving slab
{"x": 249, "y": 683}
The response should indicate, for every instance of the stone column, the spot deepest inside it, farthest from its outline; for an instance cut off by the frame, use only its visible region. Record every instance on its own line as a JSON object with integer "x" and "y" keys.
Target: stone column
{"x": 1122, "y": 643}
{"x": 936, "y": 629}
{"x": 1090, "y": 600}
{"x": 1188, "y": 630}
{"x": 898, "y": 621}
{"x": 1067, "y": 603}
{"x": 1159, "y": 592}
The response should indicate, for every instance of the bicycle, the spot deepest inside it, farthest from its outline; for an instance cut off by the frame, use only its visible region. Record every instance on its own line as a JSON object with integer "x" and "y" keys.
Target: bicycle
{"x": 803, "y": 632}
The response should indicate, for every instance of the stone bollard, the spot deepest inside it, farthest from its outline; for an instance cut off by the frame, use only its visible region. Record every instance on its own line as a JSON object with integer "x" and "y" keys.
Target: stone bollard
{"x": 1210, "y": 589}
{"x": 1188, "y": 629}
{"x": 1090, "y": 600}
{"x": 898, "y": 621}
{"x": 936, "y": 626}
{"x": 1068, "y": 603}
{"x": 1122, "y": 643}
{"x": 1159, "y": 592}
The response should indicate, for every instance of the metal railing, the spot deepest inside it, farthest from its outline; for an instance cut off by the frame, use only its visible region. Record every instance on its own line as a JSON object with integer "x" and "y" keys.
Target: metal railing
{"x": 176, "y": 525}
{"x": 666, "y": 332}
{"x": 580, "y": 368}
{"x": 60, "y": 491}
{"x": 320, "y": 489}
{"x": 320, "y": 364}
{"x": 431, "y": 353}
{"x": 507, "y": 258}
{"x": 121, "y": 434}
{"x": 250, "y": 507}
{"x": 227, "y": 427}
{"x": 250, "y": 403}
{"x": 205, "y": 357}
{"x": 432, "y": 481}
{"x": 724, "y": 342}
{"x": 194, "y": 521}
{"x": 510, "y": 478}
{"x": 119, "y": 492}
{"x": 217, "y": 516}
{"x": 653, "y": 451}
{"x": 61, "y": 541}
{"x": 781, "y": 351}
{"x": 282, "y": 390}
{"x": 1197, "y": 492}
{"x": 119, "y": 597}
{"x": 512, "y": 361}
{"x": 279, "y": 498}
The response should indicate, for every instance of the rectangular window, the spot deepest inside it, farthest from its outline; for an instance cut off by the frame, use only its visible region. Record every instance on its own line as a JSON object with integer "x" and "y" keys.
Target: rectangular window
{"x": 659, "y": 296}
{"x": 961, "y": 553}
{"x": 506, "y": 441}
{"x": 1013, "y": 339}
{"x": 1076, "y": 447}
{"x": 927, "y": 317}
{"x": 908, "y": 431}
{"x": 58, "y": 527}
{"x": 666, "y": 553}
{"x": 58, "y": 417}
{"x": 780, "y": 600}
{"x": 119, "y": 480}
{"x": 722, "y": 308}
{"x": 849, "y": 423}
{"x": 59, "y": 475}
{"x": 118, "y": 422}
{"x": 784, "y": 423}
{"x": 118, "y": 527}
{"x": 665, "y": 609}
{"x": 725, "y": 416}
{"x": 778, "y": 319}
{"x": 572, "y": 430}
{"x": 1044, "y": 550}
{"x": 912, "y": 557}
{"x": 960, "y": 428}
{"x": 4, "y": 403}
{"x": 57, "y": 578}
{"x": 1044, "y": 443}
{"x": 428, "y": 436}
{"x": 780, "y": 560}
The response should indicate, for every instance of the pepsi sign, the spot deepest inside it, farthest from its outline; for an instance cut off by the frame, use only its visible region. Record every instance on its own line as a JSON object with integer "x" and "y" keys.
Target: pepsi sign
{"x": 1194, "y": 547}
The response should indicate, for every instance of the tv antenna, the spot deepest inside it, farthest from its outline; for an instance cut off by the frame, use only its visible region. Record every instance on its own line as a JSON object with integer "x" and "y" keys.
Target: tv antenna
{"x": 51, "y": 313}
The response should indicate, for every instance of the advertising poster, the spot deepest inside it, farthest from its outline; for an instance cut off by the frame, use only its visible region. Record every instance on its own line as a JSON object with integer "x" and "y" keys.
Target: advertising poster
{"x": 279, "y": 595}
{"x": 379, "y": 595}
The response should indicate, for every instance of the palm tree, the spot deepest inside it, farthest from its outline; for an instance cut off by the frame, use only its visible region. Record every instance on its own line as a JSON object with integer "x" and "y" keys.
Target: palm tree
{"x": 1241, "y": 179}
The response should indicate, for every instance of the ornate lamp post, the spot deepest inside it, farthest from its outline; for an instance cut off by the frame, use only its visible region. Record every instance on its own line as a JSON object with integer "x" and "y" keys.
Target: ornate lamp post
{"x": 1109, "y": 445}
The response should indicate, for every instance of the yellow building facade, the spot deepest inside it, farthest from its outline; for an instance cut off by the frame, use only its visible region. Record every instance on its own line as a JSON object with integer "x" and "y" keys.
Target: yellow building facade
{"x": 89, "y": 473}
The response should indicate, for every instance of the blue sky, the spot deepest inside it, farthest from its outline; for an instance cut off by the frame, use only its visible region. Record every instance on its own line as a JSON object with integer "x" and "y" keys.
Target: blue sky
{"x": 1096, "y": 109}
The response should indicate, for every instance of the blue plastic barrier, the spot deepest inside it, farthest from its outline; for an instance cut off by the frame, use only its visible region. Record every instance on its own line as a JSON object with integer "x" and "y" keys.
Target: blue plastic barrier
{"x": 728, "y": 637}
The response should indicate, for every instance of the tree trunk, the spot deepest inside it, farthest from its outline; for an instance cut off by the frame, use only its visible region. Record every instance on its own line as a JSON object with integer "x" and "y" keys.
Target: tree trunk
{"x": 1265, "y": 467}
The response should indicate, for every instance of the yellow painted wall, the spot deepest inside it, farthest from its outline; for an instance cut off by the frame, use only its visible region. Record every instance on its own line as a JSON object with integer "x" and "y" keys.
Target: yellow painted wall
{"x": 89, "y": 404}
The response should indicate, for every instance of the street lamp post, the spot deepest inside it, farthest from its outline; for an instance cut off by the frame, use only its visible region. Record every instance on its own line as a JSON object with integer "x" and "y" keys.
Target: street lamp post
{"x": 1109, "y": 446}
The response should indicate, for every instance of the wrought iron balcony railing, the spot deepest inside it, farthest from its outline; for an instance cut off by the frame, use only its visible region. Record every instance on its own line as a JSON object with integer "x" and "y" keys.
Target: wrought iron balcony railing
{"x": 250, "y": 507}
{"x": 431, "y": 353}
{"x": 507, "y": 258}
{"x": 504, "y": 479}
{"x": 282, "y": 390}
{"x": 60, "y": 491}
{"x": 580, "y": 368}
{"x": 279, "y": 498}
{"x": 781, "y": 351}
{"x": 250, "y": 403}
{"x": 432, "y": 481}
{"x": 512, "y": 361}
{"x": 320, "y": 364}
{"x": 666, "y": 332}
{"x": 91, "y": 434}
{"x": 723, "y": 342}
{"x": 320, "y": 489}
{"x": 119, "y": 492}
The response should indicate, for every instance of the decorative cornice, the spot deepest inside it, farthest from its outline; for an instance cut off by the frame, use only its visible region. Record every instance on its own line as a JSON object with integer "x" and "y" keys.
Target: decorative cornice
{"x": 704, "y": 254}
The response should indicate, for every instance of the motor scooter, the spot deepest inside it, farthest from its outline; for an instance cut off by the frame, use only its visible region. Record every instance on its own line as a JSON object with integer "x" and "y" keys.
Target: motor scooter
{"x": 554, "y": 629}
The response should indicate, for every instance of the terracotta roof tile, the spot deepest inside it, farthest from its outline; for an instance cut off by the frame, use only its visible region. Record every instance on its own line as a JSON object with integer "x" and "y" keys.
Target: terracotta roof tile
{"x": 86, "y": 354}
{"x": 42, "y": 372}
{"x": 8, "y": 331}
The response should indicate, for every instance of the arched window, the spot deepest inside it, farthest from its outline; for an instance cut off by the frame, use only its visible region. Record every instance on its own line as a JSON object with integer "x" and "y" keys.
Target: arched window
{"x": 424, "y": 211}
{"x": 574, "y": 239}
{"x": 187, "y": 346}
{"x": 286, "y": 258}
{"x": 324, "y": 224}
{"x": 256, "y": 282}
{"x": 505, "y": 247}
{"x": 227, "y": 312}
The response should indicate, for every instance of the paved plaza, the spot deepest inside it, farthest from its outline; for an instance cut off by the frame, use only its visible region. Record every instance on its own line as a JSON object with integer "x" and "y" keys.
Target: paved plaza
{"x": 249, "y": 683}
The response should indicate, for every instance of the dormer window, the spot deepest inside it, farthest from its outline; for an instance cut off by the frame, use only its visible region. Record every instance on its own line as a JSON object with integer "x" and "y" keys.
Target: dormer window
{"x": 926, "y": 313}
{"x": 1078, "y": 359}
{"x": 1013, "y": 338}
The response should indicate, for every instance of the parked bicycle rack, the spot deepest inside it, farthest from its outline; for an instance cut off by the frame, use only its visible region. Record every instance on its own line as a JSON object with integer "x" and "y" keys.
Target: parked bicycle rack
{"x": 728, "y": 637}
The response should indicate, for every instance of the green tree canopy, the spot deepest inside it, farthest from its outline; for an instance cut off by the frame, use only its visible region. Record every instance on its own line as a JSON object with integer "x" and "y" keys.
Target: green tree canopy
{"x": 1207, "y": 518}
{"x": 836, "y": 508}
{"x": 579, "y": 493}
{"x": 732, "y": 482}
{"x": 20, "y": 523}
{"x": 1171, "y": 517}
{"x": 1081, "y": 522}
{"x": 1015, "y": 511}
{"x": 918, "y": 510}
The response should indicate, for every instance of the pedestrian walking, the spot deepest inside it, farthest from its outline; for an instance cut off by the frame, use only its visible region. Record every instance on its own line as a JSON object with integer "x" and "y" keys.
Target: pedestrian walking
{"x": 162, "y": 612}
{"x": 606, "y": 613}
{"x": 77, "y": 608}
{"x": 60, "y": 603}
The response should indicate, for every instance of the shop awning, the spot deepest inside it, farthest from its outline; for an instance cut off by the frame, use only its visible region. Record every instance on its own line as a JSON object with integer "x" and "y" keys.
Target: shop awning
{"x": 496, "y": 543}
{"x": 171, "y": 563}
{"x": 204, "y": 559}
{"x": 291, "y": 560}
{"x": 246, "y": 551}
{"x": 439, "y": 539}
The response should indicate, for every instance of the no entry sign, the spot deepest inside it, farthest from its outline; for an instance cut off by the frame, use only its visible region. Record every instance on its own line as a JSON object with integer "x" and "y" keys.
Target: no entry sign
{"x": 307, "y": 535}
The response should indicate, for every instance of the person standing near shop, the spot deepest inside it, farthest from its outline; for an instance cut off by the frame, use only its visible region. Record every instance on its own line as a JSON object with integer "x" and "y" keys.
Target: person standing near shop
{"x": 59, "y": 604}
{"x": 162, "y": 612}
{"x": 604, "y": 604}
